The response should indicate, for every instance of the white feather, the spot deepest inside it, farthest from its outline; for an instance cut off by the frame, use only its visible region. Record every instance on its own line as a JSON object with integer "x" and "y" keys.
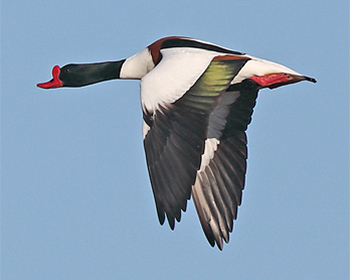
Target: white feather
{"x": 178, "y": 70}
{"x": 145, "y": 129}
{"x": 260, "y": 67}
{"x": 211, "y": 145}
{"x": 138, "y": 65}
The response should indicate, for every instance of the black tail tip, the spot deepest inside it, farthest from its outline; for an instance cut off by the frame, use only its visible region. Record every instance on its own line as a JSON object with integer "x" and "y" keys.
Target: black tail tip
{"x": 312, "y": 80}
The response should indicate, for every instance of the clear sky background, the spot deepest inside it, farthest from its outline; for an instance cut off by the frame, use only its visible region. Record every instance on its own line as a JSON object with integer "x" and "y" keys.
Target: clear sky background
{"x": 76, "y": 201}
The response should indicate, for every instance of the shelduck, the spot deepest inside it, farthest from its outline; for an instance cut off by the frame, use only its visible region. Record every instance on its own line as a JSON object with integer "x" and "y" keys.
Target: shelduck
{"x": 197, "y": 100}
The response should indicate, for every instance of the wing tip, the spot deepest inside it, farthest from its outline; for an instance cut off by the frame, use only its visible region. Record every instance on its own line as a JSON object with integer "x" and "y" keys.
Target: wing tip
{"x": 218, "y": 240}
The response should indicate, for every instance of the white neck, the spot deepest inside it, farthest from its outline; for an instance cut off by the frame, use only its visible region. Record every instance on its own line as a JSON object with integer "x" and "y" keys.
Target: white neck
{"x": 137, "y": 66}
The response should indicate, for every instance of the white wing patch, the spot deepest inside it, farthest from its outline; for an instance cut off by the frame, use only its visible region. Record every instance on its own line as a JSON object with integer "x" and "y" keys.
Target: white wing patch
{"x": 145, "y": 129}
{"x": 178, "y": 70}
{"x": 211, "y": 145}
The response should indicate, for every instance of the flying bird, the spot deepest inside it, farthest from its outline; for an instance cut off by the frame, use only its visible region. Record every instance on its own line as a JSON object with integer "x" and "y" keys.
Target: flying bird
{"x": 197, "y": 100}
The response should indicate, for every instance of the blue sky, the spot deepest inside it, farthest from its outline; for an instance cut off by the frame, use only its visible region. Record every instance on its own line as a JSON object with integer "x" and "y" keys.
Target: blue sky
{"x": 76, "y": 201}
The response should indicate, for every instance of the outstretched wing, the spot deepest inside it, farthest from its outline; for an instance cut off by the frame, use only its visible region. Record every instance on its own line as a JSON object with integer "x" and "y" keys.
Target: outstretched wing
{"x": 175, "y": 135}
{"x": 217, "y": 191}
